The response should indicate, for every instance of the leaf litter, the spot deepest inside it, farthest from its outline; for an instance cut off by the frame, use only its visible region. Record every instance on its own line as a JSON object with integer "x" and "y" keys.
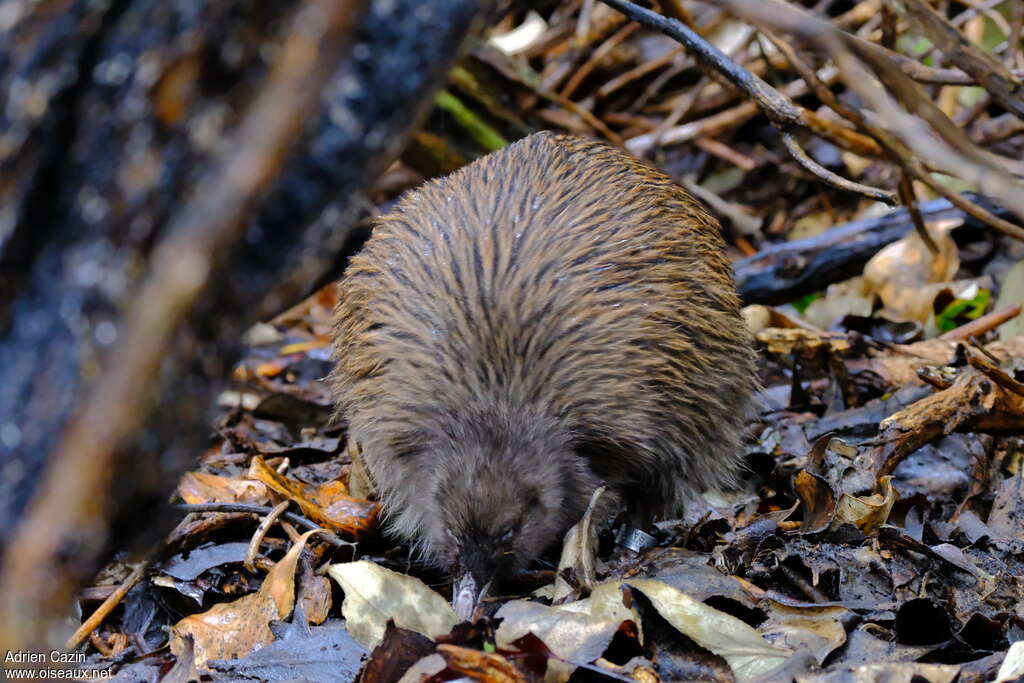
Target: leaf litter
{"x": 819, "y": 570}
{"x": 879, "y": 536}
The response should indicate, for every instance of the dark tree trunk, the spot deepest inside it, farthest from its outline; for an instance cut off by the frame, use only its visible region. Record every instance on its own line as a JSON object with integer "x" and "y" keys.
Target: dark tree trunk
{"x": 114, "y": 117}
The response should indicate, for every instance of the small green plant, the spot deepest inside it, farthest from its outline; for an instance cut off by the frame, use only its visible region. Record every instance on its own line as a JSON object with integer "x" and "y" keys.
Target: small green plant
{"x": 963, "y": 308}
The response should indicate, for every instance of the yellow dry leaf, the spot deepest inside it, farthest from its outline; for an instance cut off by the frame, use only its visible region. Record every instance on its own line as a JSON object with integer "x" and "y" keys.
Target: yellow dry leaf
{"x": 748, "y": 654}
{"x": 374, "y": 595}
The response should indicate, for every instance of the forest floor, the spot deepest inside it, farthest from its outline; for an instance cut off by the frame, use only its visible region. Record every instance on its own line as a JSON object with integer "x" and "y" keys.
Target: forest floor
{"x": 879, "y": 534}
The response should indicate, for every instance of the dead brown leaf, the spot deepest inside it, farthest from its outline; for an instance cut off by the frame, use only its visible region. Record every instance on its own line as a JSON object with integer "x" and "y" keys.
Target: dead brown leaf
{"x": 327, "y": 504}
{"x": 480, "y": 666}
{"x": 234, "y": 629}
{"x": 198, "y": 487}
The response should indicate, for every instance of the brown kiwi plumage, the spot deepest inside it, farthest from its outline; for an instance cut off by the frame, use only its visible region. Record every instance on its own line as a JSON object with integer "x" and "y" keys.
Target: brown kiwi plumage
{"x": 554, "y": 315}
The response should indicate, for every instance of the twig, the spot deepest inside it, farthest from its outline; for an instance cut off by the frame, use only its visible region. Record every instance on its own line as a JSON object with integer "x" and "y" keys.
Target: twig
{"x": 951, "y": 151}
{"x": 986, "y": 71}
{"x": 833, "y": 179}
{"x": 638, "y": 71}
{"x": 967, "y": 206}
{"x": 893, "y": 145}
{"x": 779, "y": 109}
{"x": 995, "y": 373}
{"x": 985, "y": 323}
{"x": 906, "y": 189}
{"x": 726, "y": 153}
{"x": 640, "y": 146}
{"x": 261, "y": 532}
{"x": 108, "y": 605}
{"x": 596, "y": 58}
{"x": 295, "y": 519}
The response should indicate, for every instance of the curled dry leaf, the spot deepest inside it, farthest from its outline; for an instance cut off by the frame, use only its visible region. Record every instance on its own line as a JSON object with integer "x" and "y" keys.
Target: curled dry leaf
{"x": 818, "y": 501}
{"x": 578, "y": 552}
{"x": 374, "y": 594}
{"x": 234, "y": 629}
{"x": 328, "y": 504}
{"x": 480, "y": 666}
{"x": 748, "y": 654}
{"x": 817, "y": 630}
{"x": 902, "y": 273}
{"x": 198, "y": 487}
{"x": 867, "y": 514}
{"x": 571, "y": 632}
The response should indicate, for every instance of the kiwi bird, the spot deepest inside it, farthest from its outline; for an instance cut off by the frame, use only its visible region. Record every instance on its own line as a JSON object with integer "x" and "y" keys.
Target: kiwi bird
{"x": 553, "y": 316}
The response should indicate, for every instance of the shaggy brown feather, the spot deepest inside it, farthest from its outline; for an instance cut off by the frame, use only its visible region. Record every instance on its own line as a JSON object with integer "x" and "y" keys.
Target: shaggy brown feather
{"x": 553, "y": 315}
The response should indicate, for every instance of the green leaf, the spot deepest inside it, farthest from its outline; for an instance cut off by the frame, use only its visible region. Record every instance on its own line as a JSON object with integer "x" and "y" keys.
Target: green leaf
{"x": 481, "y": 132}
{"x": 963, "y": 308}
{"x": 803, "y": 302}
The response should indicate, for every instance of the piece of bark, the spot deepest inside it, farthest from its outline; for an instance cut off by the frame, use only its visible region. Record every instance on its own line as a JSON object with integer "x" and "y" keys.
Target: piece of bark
{"x": 974, "y": 400}
{"x": 781, "y": 273}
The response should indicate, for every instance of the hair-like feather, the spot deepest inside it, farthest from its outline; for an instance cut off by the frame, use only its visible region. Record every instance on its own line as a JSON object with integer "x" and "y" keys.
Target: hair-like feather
{"x": 553, "y": 315}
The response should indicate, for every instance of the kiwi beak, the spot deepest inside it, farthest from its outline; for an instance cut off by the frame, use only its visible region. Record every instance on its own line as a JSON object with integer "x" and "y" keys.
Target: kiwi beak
{"x": 466, "y": 596}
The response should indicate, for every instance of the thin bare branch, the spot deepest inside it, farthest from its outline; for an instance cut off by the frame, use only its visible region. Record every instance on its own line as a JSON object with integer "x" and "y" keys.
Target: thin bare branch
{"x": 779, "y": 109}
{"x": 833, "y": 179}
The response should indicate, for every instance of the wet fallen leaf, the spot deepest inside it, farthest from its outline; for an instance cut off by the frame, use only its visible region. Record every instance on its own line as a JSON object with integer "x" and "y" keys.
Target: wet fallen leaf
{"x": 298, "y": 653}
{"x": 187, "y": 566}
{"x": 373, "y": 595}
{"x": 234, "y": 629}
